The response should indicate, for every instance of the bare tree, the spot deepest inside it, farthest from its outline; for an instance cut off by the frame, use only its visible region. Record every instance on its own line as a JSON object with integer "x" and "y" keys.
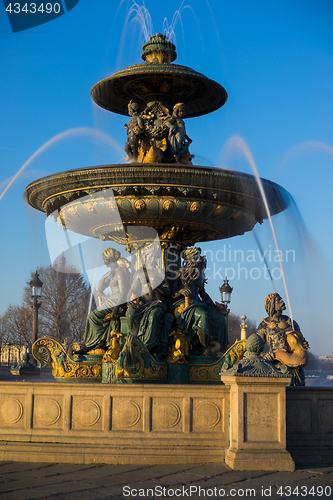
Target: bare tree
{"x": 18, "y": 323}
{"x": 65, "y": 301}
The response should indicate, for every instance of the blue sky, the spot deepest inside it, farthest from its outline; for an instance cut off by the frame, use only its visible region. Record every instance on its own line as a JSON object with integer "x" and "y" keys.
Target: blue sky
{"x": 275, "y": 59}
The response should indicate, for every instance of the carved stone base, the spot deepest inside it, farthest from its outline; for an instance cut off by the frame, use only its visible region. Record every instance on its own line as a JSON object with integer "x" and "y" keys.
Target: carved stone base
{"x": 280, "y": 460}
{"x": 257, "y": 423}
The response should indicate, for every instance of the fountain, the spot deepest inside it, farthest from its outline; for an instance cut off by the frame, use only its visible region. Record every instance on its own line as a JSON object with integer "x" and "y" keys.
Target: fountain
{"x": 159, "y": 196}
{"x": 159, "y": 206}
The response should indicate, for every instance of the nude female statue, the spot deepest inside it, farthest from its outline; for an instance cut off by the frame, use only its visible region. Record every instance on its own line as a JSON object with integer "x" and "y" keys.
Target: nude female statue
{"x": 102, "y": 321}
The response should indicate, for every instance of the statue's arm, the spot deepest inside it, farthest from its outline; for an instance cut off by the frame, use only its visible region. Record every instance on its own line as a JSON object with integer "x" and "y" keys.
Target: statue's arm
{"x": 103, "y": 282}
{"x": 170, "y": 123}
{"x": 122, "y": 282}
{"x": 302, "y": 340}
{"x": 135, "y": 289}
{"x": 102, "y": 285}
{"x": 141, "y": 124}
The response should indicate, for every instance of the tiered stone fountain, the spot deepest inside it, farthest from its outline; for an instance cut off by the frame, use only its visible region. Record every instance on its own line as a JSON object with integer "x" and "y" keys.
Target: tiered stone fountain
{"x": 159, "y": 192}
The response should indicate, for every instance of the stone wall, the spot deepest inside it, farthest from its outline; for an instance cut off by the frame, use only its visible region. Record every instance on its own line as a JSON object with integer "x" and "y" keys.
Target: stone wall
{"x": 310, "y": 424}
{"x": 96, "y": 423}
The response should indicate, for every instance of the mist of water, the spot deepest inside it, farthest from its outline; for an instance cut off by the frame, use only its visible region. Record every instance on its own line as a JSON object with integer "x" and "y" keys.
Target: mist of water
{"x": 304, "y": 147}
{"x": 64, "y": 135}
{"x": 239, "y": 144}
{"x": 94, "y": 276}
{"x": 263, "y": 258}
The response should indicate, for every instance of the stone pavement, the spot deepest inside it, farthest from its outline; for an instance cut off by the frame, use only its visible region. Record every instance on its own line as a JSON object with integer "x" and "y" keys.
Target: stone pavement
{"x": 32, "y": 481}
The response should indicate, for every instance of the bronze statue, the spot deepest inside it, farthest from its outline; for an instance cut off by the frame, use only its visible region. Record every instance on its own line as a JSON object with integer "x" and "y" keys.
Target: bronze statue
{"x": 284, "y": 338}
{"x": 197, "y": 316}
{"x": 179, "y": 141}
{"x": 105, "y": 318}
{"x": 135, "y": 131}
{"x": 147, "y": 313}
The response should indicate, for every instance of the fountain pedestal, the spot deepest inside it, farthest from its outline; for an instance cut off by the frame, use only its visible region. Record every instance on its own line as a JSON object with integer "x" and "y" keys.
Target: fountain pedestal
{"x": 257, "y": 439}
{"x": 258, "y": 424}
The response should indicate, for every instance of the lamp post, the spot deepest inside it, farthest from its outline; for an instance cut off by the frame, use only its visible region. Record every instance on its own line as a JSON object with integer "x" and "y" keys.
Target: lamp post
{"x": 226, "y": 291}
{"x": 36, "y": 291}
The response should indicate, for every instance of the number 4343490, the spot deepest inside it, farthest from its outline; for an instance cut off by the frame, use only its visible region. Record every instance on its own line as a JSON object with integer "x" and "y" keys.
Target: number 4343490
{"x": 304, "y": 491}
{"x": 32, "y": 8}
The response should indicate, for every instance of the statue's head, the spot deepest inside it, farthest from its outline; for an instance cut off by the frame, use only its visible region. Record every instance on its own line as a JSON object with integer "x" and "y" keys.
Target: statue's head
{"x": 179, "y": 109}
{"x": 133, "y": 107}
{"x": 110, "y": 255}
{"x": 274, "y": 303}
{"x": 192, "y": 255}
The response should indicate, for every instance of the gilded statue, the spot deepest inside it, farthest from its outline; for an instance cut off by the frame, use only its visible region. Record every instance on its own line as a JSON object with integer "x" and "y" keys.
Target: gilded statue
{"x": 147, "y": 313}
{"x": 135, "y": 131}
{"x": 105, "y": 319}
{"x": 154, "y": 136}
{"x": 178, "y": 139}
{"x": 287, "y": 345}
{"x": 197, "y": 316}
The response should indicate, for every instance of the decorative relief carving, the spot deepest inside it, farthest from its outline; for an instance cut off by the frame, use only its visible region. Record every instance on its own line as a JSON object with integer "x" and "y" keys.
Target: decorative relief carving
{"x": 326, "y": 415}
{"x": 126, "y": 414}
{"x": 195, "y": 206}
{"x": 87, "y": 412}
{"x": 89, "y": 207}
{"x": 219, "y": 209}
{"x": 11, "y": 411}
{"x": 139, "y": 204}
{"x": 206, "y": 415}
{"x": 168, "y": 205}
{"x": 297, "y": 416}
{"x": 166, "y": 414}
{"x": 47, "y": 412}
{"x": 153, "y": 189}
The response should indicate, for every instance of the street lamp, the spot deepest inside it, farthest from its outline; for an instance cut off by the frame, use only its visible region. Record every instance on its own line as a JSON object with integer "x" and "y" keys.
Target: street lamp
{"x": 36, "y": 291}
{"x": 226, "y": 291}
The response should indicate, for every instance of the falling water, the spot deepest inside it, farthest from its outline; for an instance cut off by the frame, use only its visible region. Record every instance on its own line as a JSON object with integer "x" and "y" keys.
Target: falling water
{"x": 240, "y": 144}
{"x": 169, "y": 30}
{"x": 142, "y": 16}
{"x": 64, "y": 135}
{"x": 304, "y": 147}
{"x": 94, "y": 277}
{"x": 264, "y": 258}
{"x": 136, "y": 14}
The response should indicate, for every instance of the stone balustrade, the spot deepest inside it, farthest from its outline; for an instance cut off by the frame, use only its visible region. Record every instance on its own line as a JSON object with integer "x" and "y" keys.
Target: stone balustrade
{"x": 97, "y": 423}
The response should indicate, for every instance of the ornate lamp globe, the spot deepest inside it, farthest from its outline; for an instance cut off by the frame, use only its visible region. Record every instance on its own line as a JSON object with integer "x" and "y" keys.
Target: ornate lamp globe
{"x": 226, "y": 291}
{"x": 36, "y": 286}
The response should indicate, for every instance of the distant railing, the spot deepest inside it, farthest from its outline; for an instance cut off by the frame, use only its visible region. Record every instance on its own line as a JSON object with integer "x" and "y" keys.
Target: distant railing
{"x": 310, "y": 424}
